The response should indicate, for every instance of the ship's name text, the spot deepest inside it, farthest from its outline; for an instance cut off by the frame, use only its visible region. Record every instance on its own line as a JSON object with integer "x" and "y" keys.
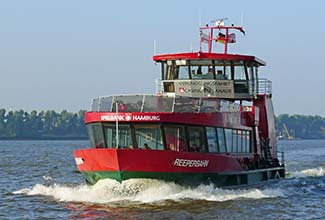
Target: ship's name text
{"x": 191, "y": 163}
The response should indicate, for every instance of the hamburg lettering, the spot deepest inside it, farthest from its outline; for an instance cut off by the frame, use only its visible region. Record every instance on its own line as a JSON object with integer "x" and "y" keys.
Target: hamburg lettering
{"x": 146, "y": 118}
{"x": 191, "y": 163}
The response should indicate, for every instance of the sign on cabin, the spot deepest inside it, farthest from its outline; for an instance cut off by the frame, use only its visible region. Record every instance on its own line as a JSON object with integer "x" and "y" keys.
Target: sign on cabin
{"x": 205, "y": 88}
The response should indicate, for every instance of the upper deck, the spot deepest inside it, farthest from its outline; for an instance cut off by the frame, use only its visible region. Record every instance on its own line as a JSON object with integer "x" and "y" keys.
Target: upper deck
{"x": 211, "y": 75}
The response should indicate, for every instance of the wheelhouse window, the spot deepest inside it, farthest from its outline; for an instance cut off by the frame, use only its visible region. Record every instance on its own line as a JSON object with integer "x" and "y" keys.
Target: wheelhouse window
{"x": 96, "y": 135}
{"x": 175, "y": 138}
{"x": 124, "y": 136}
{"x": 150, "y": 135}
{"x": 240, "y": 71}
{"x": 202, "y": 69}
{"x": 182, "y": 69}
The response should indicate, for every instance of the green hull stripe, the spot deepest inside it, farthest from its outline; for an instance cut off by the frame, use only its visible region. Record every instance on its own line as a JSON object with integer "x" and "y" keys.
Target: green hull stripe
{"x": 187, "y": 178}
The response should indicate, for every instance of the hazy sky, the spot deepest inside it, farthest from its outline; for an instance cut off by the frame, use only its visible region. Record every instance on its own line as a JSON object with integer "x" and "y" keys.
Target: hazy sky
{"x": 60, "y": 54}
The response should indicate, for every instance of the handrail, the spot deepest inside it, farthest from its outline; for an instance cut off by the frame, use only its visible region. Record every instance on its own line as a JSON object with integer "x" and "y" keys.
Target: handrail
{"x": 280, "y": 156}
{"x": 264, "y": 87}
{"x": 160, "y": 103}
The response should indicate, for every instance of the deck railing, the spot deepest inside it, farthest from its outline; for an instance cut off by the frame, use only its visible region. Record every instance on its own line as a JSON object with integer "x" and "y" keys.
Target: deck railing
{"x": 159, "y": 103}
{"x": 264, "y": 87}
{"x": 280, "y": 156}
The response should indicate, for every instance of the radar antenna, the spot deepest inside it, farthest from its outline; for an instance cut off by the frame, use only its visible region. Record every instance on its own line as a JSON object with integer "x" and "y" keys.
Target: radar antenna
{"x": 219, "y": 22}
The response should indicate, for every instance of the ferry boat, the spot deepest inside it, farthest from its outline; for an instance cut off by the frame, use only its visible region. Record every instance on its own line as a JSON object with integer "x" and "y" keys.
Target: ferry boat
{"x": 211, "y": 121}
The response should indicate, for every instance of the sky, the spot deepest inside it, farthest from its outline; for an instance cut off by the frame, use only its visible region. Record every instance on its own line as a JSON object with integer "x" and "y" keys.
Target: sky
{"x": 60, "y": 54}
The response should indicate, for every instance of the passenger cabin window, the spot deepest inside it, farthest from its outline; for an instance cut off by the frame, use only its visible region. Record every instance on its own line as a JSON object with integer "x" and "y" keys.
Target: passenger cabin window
{"x": 124, "y": 136}
{"x": 212, "y": 139}
{"x": 175, "y": 138}
{"x": 228, "y": 133}
{"x": 96, "y": 135}
{"x": 221, "y": 140}
{"x": 149, "y": 135}
{"x": 196, "y": 138}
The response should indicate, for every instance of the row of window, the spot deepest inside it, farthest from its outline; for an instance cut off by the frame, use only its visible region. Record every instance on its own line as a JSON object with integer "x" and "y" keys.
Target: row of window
{"x": 170, "y": 137}
{"x": 207, "y": 69}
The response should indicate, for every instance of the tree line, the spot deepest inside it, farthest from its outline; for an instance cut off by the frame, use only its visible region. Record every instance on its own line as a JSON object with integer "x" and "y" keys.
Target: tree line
{"x": 301, "y": 126}
{"x": 66, "y": 125}
{"x": 42, "y": 125}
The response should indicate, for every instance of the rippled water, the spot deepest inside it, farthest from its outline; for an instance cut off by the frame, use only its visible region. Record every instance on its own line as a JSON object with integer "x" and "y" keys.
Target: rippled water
{"x": 38, "y": 181}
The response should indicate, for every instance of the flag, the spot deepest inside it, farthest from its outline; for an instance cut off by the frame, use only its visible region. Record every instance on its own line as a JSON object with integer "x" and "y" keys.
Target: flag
{"x": 204, "y": 38}
{"x": 221, "y": 38}
{"x": 232, "y": 38}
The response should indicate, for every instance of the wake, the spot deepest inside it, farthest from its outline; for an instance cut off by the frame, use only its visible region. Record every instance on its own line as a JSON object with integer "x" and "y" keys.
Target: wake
{"x": 143, "y": 191}
{"x": 151, "y": 191}
{"x": 313, "y": 172}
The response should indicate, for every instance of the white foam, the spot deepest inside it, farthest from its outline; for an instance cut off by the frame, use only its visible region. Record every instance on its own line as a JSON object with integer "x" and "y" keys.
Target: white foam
{"x": 143, "y": 191}
{"x": 313, "y": 172}
{"x": 47, "y": 178}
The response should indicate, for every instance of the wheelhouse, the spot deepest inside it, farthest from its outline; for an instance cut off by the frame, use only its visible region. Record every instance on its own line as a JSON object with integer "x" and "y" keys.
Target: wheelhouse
{"x": 210, "y": 75}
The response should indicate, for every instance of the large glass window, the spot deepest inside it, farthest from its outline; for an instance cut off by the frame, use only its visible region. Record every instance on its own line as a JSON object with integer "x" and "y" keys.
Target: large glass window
{"x": 243, "y": 141}
{"x": 124, "y": 136}
{"x": 196, "y": 139}
{"x": 234, "y": 141}
{"x": 240, "y": 73}
{"x": 212, "y": 139}
{"x": 149, "y": 135}
{"x": 175, "y": 138}
{"x": 229, "y": 141}
{"x": 163, "y": 70}
{"x": 170, "y": 70}
{"x": 247, "y": 141}
{"x": 182, "y": 72}
{"x": 221, "y": 140}
{"x": 96, "y": 135}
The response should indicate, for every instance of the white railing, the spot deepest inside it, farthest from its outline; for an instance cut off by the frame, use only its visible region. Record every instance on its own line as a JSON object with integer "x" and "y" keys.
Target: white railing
{"x": 160, "y": 103}
{"x": 264, "y": 87}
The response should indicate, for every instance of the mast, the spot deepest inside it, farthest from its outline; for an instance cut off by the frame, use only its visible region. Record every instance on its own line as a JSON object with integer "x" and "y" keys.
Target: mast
{"x": 206, "y": 34}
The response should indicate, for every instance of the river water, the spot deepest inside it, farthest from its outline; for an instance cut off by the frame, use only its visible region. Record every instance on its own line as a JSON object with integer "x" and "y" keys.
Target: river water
{"x": 39, "y": 181}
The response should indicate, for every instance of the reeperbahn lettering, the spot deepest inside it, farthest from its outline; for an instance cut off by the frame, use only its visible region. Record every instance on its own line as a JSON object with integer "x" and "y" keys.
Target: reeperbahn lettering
{"x": 191, "y": 163}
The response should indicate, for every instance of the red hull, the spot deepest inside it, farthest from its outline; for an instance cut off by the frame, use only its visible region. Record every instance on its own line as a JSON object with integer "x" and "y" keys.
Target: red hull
{"x": 154, "y": 161}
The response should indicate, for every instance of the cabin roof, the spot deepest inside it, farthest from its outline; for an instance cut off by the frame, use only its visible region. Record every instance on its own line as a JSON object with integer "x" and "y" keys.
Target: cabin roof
{"x": 209, "y": 56}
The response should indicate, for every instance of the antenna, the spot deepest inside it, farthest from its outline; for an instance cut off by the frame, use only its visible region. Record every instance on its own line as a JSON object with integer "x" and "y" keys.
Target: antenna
{"x": 242, "y": 19}
{"x": 154, "y": 47}
{"x": 200, "y": 17}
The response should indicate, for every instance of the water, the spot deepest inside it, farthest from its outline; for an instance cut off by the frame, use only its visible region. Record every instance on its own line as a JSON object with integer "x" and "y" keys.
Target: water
{"x": 38, "y": 181}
